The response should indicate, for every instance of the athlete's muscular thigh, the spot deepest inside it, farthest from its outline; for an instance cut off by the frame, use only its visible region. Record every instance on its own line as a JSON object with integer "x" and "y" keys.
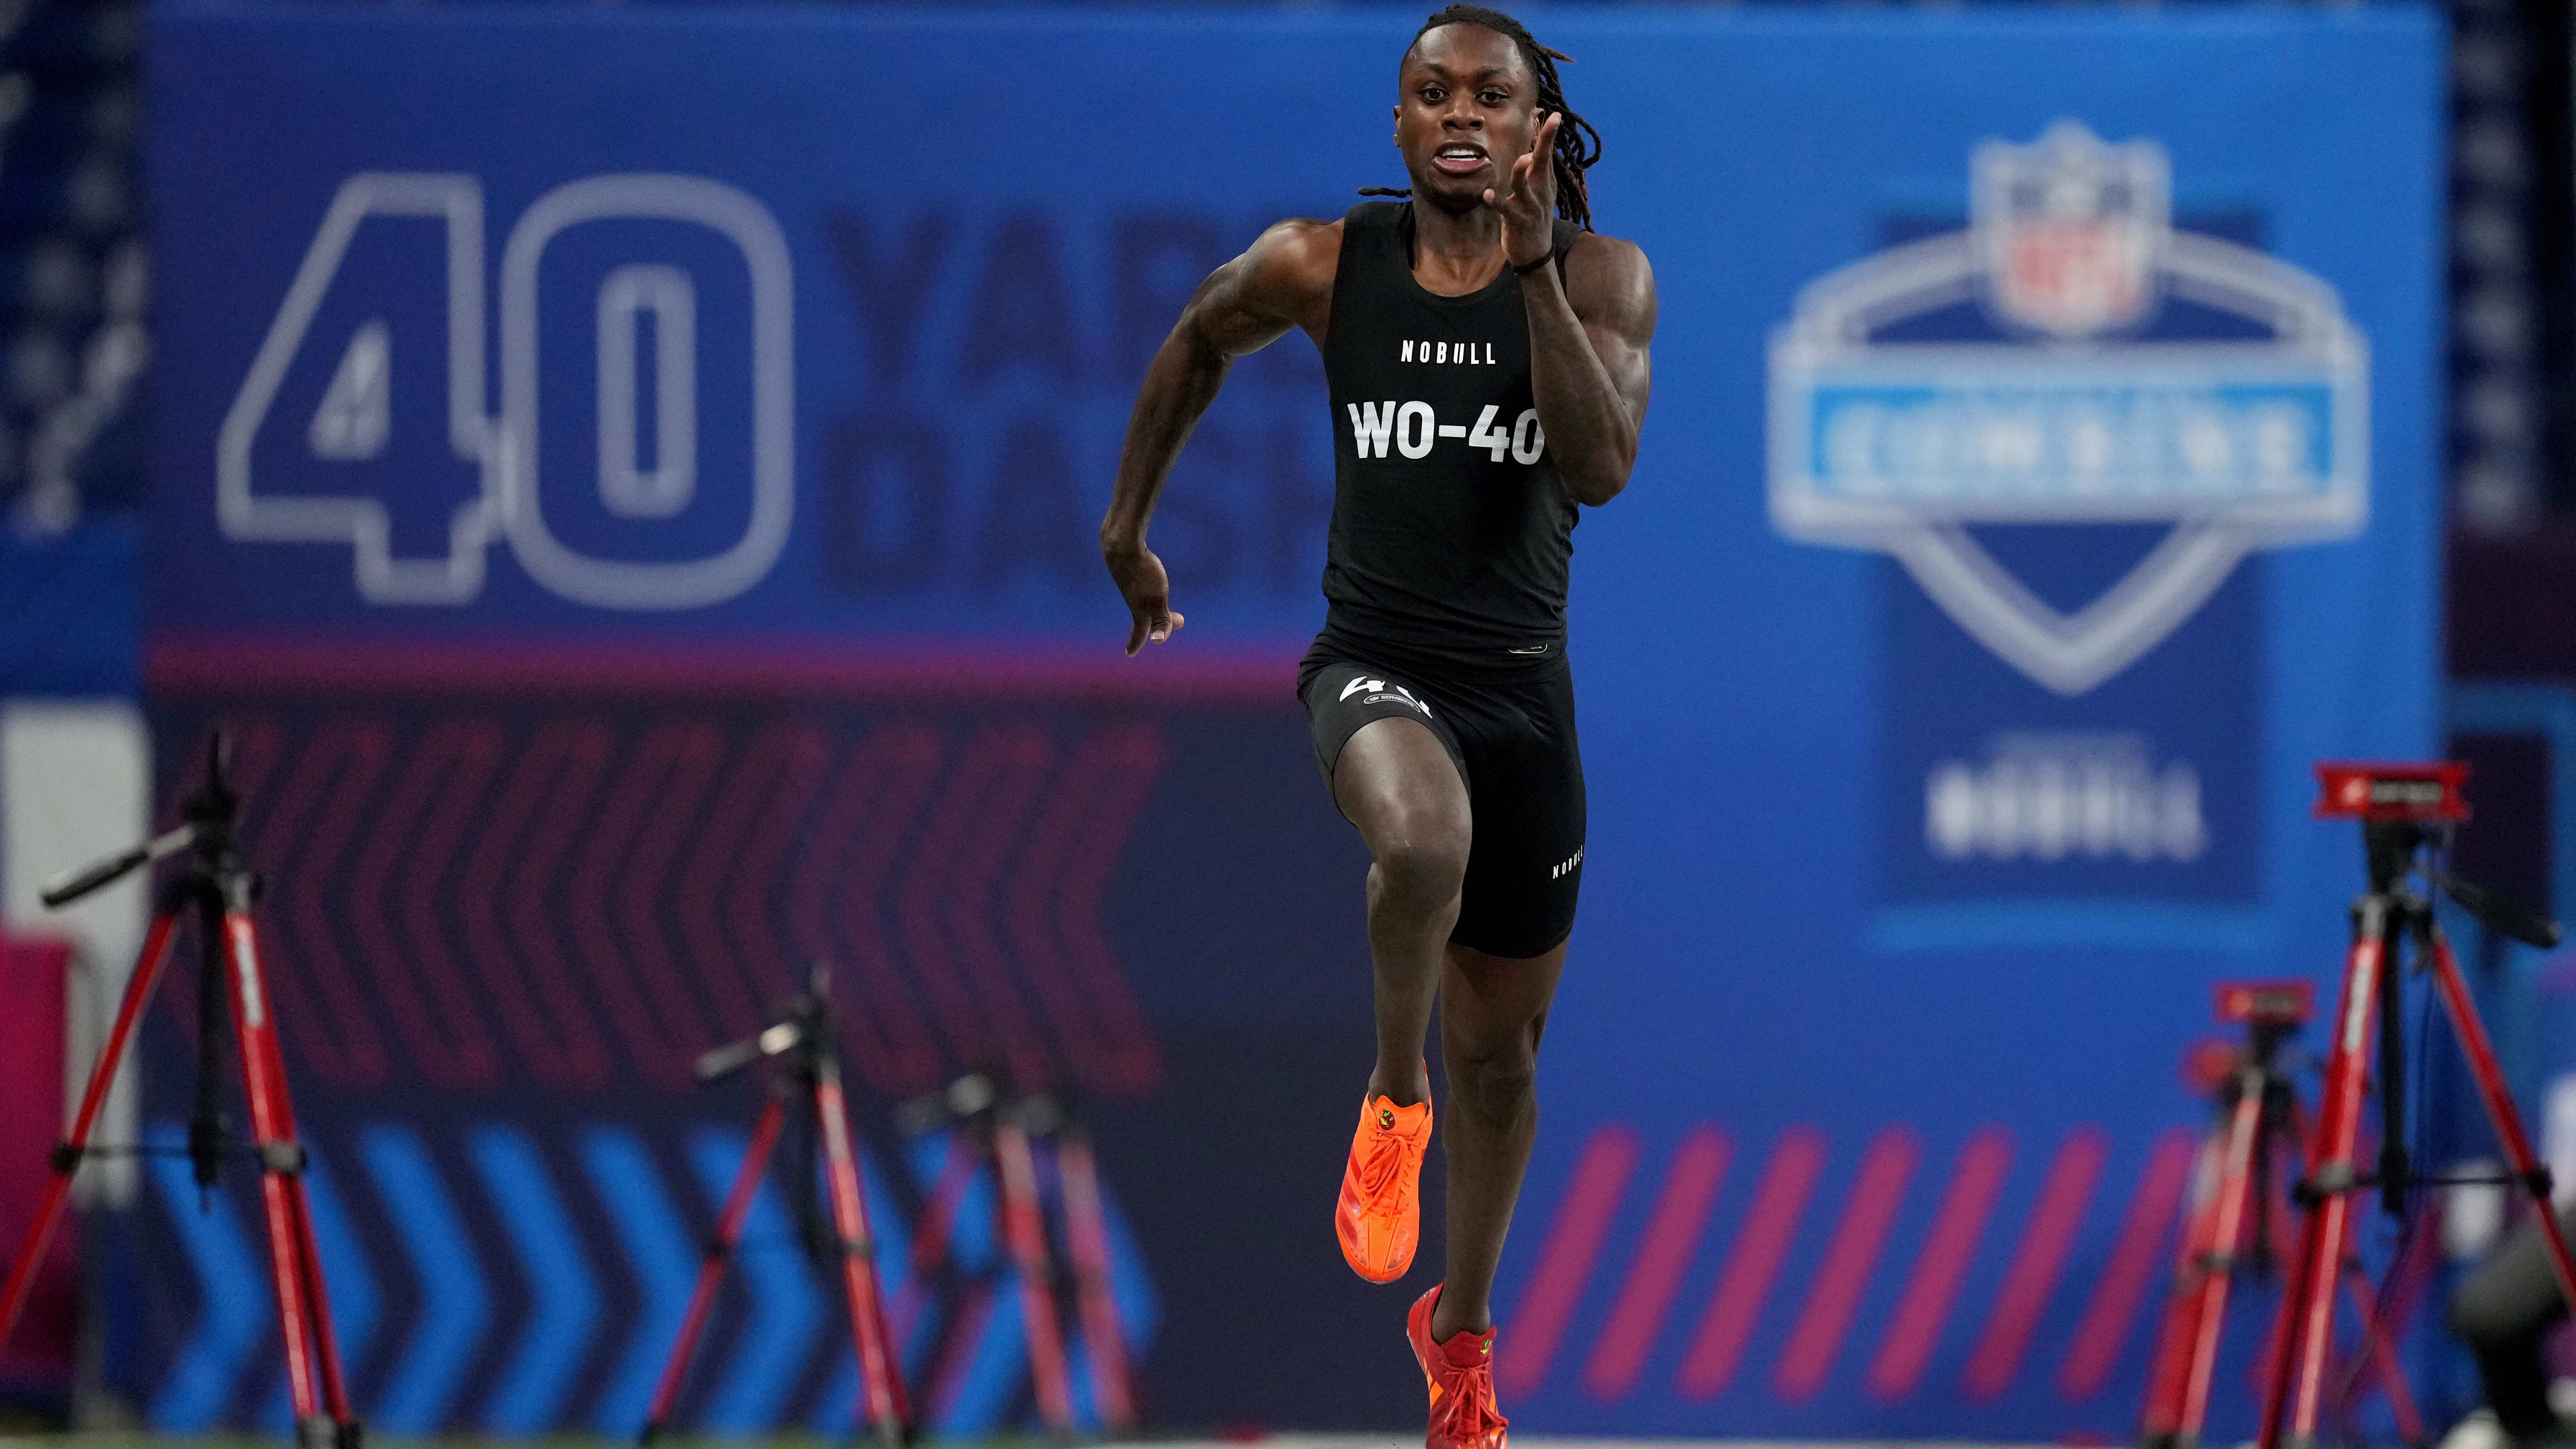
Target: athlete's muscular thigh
{"x": 1396, "y": 782}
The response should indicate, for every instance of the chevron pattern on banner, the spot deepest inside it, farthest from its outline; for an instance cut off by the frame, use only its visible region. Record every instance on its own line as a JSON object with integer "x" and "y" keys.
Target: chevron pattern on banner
{"x": 564, "y": 1299}
{"x": 501, "y": 929}
{"x": 234, "y": 1318}
{"x": 580, "y": 900}
{"x": 477, "y": 1290}
{"x": 505, "y": 1280}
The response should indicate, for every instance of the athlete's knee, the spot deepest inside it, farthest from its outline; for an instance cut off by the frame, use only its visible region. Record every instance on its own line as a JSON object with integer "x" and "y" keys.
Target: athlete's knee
{"x": 1494, "y": 1077}
{"x": 1421, "y": 853}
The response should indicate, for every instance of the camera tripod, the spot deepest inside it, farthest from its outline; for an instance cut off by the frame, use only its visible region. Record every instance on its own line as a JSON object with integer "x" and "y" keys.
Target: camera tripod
{"x": 809, "y": 1076}
{"x": 2402, "y": 810}
{"x": 1086, "y": 1234}
{"x": 219, "y": 887}
{"x": 2230, "y": 1230}
{"x": 987, "y": 1133}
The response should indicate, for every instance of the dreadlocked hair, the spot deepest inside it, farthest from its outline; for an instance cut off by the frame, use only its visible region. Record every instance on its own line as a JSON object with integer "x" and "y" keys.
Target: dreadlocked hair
{"x": 1578, "y": 146}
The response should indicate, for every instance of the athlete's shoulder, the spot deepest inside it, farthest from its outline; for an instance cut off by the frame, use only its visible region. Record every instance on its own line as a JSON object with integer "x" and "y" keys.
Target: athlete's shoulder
{"x": 1608, "y": 281}
{"x": 1594, "y": 256}
{"x": 1299, "y": 239}
{"x": 1293, "y": 260}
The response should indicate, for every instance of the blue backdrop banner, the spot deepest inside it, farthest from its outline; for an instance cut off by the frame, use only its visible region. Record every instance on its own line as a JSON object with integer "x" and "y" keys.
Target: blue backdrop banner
{"x": 2041, "y": 474}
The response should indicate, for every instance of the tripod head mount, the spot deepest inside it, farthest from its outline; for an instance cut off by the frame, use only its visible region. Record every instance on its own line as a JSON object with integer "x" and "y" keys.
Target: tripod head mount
{"x": 804, "y": 1026}
{"x": 1045, "y": 1114}
{"x": 2271, "y": 1011}
{"x": 2402, "y": 809}
{"x": 976, "y": 1101}
{"x": 214, "y": 807}
{"x": 972, "y": 1098}
{"x": 211, "y": 813}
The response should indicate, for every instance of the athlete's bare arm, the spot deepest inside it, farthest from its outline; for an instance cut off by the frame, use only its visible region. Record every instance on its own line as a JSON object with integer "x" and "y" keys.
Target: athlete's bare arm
{"x": 1588, "y": 361}
{"x": 1589, "y": 331}
{"x": 1284, "y": 280}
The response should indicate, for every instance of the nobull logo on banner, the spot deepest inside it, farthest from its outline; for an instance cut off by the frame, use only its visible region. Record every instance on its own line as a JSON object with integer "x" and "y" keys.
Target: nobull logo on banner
{"x": 2242, "y": 427}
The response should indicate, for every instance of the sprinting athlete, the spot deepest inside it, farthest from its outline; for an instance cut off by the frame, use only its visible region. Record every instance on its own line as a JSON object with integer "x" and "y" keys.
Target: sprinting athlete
{"x": 1487, "y": 356}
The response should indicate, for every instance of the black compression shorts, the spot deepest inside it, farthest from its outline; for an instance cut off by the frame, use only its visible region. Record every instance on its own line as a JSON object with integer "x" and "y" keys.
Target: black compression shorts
{"x": 1512, "y": 738}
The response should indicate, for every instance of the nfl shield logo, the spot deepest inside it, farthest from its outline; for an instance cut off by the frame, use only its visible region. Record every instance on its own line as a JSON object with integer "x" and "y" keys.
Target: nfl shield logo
{"x": 1909, "y": 445}
{"x": 2069, "y": 231}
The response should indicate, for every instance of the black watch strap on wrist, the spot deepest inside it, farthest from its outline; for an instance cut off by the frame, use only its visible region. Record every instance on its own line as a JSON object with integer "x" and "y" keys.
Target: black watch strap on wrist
{"x": 1525, "y": 270}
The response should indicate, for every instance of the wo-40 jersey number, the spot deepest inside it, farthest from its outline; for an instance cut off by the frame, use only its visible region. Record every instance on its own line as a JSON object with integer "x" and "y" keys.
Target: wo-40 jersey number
{"x": 1411, "y": 428}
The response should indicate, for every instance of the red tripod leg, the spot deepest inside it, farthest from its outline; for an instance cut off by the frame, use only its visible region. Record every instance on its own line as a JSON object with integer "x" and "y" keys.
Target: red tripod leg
{"x": 957, "y": 1172}
{"x": 2378, "y": 1357}
{"x": 302, "y": 1310}
{"x": 1087, "y": 1232}
{"x": 2298, "y": 1378}
{"x": 746, "y": 1185}
{"x": 2282, "y": 1174}
{"x": 102, "y": 1073}
{"x": 308, "y": 1254}
{"x": 2180, "y": 1324}
{"x": 335, "y": 1388}
{"x": 2271, "y": 1376}
{"x": 2218, "y": 1266}
{"x": 880, "y": 1377}
{"x": 1024, "y": 1222}
{"x": 2499, "y": 1101}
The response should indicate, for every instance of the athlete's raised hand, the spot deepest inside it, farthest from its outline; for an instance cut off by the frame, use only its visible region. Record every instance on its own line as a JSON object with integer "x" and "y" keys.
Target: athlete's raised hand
{"x": 1148, "y": 591}
{"x": 1529, "y": 207}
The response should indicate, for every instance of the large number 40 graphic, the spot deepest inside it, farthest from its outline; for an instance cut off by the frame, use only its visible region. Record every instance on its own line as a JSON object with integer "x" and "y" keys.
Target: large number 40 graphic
{"x": 352, "y": 421}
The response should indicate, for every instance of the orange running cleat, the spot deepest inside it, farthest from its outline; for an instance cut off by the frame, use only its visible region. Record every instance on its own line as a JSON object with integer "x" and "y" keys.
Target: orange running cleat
{"x": 1379, "y": 1217}
{"x": 1461, "y": 1375}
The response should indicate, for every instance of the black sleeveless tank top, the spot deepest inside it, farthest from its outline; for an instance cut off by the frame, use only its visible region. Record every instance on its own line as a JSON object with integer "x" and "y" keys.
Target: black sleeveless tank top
{"x": 1451, "y": 532}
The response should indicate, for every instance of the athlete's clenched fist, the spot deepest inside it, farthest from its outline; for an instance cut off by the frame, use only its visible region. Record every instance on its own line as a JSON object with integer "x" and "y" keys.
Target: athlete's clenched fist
{"x": 1147, "y": 589}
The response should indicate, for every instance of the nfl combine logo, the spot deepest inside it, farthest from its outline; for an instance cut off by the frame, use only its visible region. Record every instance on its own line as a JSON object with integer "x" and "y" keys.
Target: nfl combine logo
{"x": 2245, "y": 435}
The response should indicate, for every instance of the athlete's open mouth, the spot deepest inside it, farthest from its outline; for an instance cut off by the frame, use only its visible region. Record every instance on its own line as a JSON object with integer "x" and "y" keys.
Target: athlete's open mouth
{"x": 1459, "y": 158}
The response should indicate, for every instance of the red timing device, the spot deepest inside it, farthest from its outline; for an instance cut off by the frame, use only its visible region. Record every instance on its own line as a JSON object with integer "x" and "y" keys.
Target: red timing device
{"x": 2393, "y": 792}
{"x": 2267, "y": 1003}
{"x": 2308, "y": 1384}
